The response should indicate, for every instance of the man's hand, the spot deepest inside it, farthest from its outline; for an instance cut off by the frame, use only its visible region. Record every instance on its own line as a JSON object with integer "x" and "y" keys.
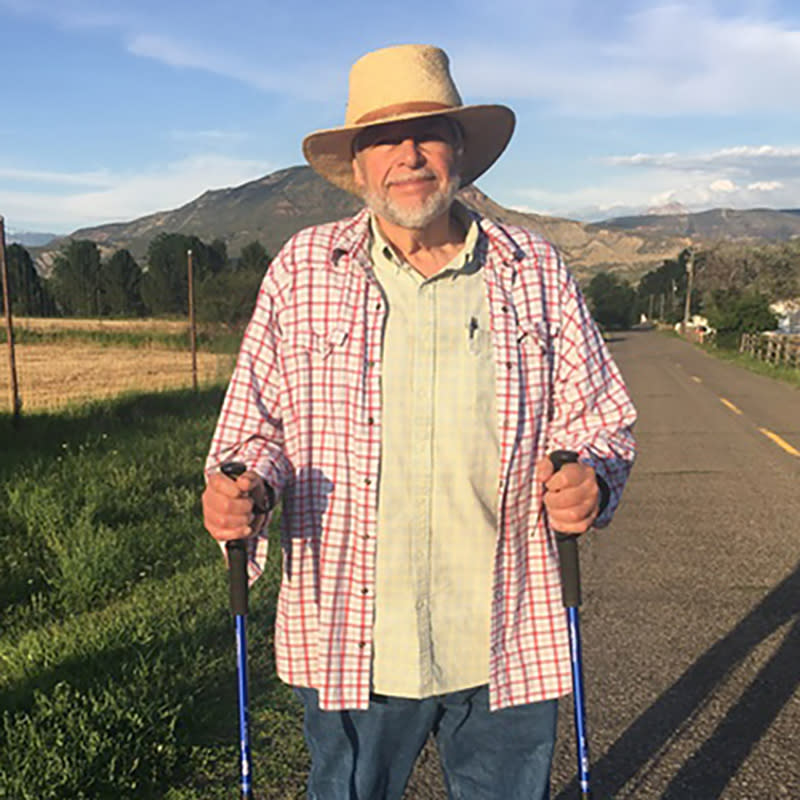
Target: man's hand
{"x": 571, "y": 497}
{"x": 234, "y": 509}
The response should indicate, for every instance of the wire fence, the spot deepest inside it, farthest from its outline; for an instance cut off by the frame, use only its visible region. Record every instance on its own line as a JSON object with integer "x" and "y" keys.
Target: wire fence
{"x": 54, "y": 363}
{"x": 62, "y": 362}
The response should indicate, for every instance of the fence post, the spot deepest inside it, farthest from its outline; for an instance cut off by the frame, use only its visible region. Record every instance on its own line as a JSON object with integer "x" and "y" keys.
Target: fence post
{"x": 192, "y": 325}
{"x": 16, "y": 404}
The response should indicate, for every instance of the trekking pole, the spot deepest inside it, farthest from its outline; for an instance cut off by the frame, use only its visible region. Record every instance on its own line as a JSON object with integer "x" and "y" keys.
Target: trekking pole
{"x": 571, "y": 597}
{"x": 237, "y": 570}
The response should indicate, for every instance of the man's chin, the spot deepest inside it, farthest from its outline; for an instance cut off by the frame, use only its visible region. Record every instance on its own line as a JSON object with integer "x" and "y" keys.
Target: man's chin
{"x": 414, "y": 212}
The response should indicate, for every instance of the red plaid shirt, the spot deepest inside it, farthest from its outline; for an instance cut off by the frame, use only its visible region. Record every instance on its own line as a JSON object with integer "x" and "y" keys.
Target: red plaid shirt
{"x": 303, "y": 409}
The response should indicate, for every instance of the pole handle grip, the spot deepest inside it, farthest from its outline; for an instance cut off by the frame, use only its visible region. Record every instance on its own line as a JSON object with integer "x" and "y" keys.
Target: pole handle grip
{"x": 567, "y": 544}
{"x": 237, "y": 553}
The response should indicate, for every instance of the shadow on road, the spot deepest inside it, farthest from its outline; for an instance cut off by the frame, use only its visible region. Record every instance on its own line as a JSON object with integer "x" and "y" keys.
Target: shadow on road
{"x": 709, "y": 770}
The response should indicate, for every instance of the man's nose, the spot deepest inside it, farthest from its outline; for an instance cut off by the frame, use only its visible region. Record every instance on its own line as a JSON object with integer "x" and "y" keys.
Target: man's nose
{"x": 410, "y": 152}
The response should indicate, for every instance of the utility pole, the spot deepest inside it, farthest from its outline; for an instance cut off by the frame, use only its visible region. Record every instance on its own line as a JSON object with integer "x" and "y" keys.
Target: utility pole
{"x": 192, "y": 325}
{"x": 687, "y": 308}
{"x": 12, "y": 363}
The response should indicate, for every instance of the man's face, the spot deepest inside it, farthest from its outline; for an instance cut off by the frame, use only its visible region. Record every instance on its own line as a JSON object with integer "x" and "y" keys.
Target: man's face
{"x": 407, "y": 172}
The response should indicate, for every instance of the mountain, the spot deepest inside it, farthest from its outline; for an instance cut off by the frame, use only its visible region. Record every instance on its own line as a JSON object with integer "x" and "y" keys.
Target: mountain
{"x": 30, "y": 238}
{"x": 667, "y": 209}
{"x": 709, "y": 226}
{"x": 274, "y": 207}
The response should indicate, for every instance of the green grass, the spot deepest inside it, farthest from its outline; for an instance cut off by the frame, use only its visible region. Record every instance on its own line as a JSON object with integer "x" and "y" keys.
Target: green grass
{"x": 212, "y": 339}
{"x": 778, "y": 372}
{"x": 117, "y": 662}
{"x": 745, "y": 361}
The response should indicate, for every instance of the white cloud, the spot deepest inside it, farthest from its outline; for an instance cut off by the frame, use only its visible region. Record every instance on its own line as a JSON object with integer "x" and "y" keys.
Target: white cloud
{"x": 745, "y": 156}
{"x": 733, "y": 177}
{"x": 126, "y": 196}
{"x": 665, "y": 58}
{"x": 765, "y": 186}
{"x": 723, "y": 186}
{"x": 98, "y": 178}
{"x": 669, "y": 59}
{"x": 302, "y": 79}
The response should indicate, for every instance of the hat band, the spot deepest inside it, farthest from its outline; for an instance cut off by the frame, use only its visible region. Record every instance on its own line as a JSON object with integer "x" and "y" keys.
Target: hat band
{"x": 400, "y": 108}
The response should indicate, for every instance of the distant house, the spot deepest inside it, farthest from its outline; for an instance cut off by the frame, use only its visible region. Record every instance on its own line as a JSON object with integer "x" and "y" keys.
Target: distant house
{"x": 697, "y": 328}
{"x": 788, "y": 313}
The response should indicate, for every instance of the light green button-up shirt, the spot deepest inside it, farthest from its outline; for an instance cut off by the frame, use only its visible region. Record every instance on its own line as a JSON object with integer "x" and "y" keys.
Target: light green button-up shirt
{"x": 437, "y": 516}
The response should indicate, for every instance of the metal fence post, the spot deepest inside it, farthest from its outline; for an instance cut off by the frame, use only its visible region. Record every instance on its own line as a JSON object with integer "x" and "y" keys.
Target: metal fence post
{"x": 192, "y": 325}
{"x": 16, "y": 403}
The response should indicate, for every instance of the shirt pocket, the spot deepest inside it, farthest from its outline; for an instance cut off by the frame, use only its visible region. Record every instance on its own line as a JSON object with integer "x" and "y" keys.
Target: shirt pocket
{"x": 479, "y": 335}
{"x": 316, "y": 369}
{"x": 537, "y": 348}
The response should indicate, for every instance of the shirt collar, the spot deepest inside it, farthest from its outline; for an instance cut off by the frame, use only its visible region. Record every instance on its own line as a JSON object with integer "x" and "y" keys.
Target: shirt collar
{"x": 382, "y": 251}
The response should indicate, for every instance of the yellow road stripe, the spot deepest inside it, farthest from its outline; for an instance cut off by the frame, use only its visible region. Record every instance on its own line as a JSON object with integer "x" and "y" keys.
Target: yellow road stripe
{"x": 730, "y": 405}
{"x": 780, "y": 442}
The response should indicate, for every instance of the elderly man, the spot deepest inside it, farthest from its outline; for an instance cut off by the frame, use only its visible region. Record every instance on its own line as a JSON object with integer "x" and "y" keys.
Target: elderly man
{"x": 402, "y": 380}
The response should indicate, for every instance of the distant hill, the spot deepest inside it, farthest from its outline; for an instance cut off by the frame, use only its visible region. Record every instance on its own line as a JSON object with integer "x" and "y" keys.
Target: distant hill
{"x": 30, "y": 238}
{"x": 274, "y": 207}
{"x": 709, "y": 226}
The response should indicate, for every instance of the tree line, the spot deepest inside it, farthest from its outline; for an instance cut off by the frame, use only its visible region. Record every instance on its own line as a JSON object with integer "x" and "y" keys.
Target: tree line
{"x": 733, "y": 285}
{"x": 82, "y": 283}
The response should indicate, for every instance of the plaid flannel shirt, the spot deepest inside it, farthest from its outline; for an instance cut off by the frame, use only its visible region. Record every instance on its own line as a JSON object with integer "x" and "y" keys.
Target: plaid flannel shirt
{"x": 303, "y": 409}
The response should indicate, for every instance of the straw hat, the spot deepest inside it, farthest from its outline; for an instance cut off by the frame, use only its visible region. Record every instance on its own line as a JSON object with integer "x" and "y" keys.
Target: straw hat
{"x": 407, "y": 82}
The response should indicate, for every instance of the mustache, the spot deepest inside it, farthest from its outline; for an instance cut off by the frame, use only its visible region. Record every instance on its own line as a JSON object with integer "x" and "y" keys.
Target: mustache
{"x": 422, "y": 173}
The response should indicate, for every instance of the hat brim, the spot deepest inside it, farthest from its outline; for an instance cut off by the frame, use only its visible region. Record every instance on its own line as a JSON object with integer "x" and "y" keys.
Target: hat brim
{"x": 487, "y": 131}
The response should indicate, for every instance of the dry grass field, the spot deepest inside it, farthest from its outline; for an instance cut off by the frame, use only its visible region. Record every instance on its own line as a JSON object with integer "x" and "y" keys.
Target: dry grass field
{"x": 49, "y": 325}
{"x": 52, "y": 375}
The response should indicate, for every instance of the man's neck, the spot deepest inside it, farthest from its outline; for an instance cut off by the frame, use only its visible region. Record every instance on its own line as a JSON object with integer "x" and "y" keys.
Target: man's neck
{"x": 427, "y": 249}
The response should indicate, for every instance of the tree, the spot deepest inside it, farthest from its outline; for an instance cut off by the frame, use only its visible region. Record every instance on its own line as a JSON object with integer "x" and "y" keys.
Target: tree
{"x": 612, "y": 300}
{"x": 228, "y": 297}
{"x": 76, "y": 280}
{"x": 121, "y": 285}
{"x": 29, "y": 296}
{"x": 165, "y": 283}
{"x": 661, "y": 293}
{"x": 217, "y": 256}
{"x": 733, "y": 312}
{"x": 254, "y": 258}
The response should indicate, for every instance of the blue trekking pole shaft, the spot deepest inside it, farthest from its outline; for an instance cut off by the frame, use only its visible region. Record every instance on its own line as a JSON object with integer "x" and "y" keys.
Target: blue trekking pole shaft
{"x": 237, "y": 571}
{"x": 571, "y": 597}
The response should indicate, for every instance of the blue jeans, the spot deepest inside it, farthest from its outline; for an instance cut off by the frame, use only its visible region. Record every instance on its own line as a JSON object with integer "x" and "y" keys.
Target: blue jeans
{"x": 369, "y": 755}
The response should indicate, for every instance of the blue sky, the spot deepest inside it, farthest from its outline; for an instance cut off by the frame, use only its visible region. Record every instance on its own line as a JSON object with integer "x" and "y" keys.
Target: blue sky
{"x": 114, "y": 109}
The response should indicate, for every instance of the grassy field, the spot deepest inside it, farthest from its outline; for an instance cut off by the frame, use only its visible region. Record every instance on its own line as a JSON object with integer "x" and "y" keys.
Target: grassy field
{"x": 117, "y": 661}
{"x": 61, "y": 362}
{"x": 779, "y": 372}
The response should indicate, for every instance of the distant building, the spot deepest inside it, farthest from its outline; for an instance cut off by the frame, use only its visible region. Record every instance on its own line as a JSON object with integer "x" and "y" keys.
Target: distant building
{"x": 788, "y": 313}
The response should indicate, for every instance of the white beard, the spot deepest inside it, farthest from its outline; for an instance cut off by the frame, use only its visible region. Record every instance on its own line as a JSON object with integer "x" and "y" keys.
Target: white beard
{"x": 414, "y": 217}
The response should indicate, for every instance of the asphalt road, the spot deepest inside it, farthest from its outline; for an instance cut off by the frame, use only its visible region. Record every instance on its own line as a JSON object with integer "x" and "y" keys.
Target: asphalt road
{"x": 691, "y": 612}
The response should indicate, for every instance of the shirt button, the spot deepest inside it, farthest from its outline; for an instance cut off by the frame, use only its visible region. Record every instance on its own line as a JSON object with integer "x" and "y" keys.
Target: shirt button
{"x": 504, "y": 309}
{"x": 362, "y": 645}
{"x": 368, "y": 481}
{"x": 370, "y": 420}
{"x": 365, "y": 590}
{"x": 509, "y": 364}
